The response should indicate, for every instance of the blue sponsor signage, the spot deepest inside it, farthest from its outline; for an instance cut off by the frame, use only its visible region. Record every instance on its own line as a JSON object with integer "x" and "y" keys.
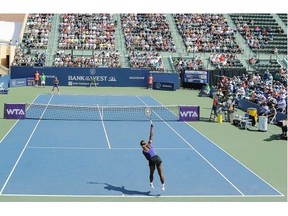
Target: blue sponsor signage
{"x": 18, "y": 82}
{"x": 168, "y": 86}
{"x": 118, "y": 77}
{"x": 104, "y": 77}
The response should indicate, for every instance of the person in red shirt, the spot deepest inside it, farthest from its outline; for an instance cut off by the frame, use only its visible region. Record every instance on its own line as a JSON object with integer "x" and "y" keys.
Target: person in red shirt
{"x": 36, "y": 78}
{"x": 150, "y": 81}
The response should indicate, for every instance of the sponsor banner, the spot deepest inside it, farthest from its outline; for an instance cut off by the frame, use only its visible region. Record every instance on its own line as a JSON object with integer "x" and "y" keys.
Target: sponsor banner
{"x": 67, "y": 76}
{"x": 189, "y": 113}
{"x": 18, "y": 82}
{"x": 104, "y": 77}
{"x": 30, "y": 81}
{"x": 168, "y": 86}
{"x": 14, "y": 111}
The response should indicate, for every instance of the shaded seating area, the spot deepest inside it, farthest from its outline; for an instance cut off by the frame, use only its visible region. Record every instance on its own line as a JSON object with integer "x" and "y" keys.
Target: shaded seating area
{"x": 261, "y": 32}
{"x": 283, "y": 17}
{"x": 265, "y": 64}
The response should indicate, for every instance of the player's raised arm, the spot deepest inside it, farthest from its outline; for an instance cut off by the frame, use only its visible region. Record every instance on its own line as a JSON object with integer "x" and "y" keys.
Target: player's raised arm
{"x": 151, "y": 134}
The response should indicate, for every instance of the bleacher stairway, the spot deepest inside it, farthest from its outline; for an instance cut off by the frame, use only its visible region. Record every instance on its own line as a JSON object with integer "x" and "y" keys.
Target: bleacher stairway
{"x": 53, "y": 41}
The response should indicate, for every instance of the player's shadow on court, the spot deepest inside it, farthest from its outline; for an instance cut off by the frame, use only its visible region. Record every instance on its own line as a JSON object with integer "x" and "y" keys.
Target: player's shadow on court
{"x": 123, "y": 190}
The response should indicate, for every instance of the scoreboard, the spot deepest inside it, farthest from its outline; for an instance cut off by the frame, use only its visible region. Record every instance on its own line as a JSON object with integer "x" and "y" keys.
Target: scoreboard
{"x": 200, "y": 77}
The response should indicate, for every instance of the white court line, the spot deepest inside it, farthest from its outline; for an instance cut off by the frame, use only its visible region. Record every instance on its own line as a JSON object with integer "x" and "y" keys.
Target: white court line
{"x": 229, "y": 155}
{"x": 104, "y": 128}
{"x": 138, "y": 196}
{"x": 197, "y": 152}
{"x": 9, "y": 131}
{"x": 23, "y": 150}
{"x": 92, "y": 148}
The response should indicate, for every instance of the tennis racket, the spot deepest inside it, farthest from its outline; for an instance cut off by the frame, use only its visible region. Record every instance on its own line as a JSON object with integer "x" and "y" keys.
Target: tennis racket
{"x": 148, "y": 113}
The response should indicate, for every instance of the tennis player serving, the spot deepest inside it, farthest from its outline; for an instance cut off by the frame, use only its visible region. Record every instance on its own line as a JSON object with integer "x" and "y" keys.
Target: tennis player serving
{"x": 154, "y": 160}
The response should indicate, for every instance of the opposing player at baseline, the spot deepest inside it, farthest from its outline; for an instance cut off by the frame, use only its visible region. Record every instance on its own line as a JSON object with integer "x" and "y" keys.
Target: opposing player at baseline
{"x": 154, "y": 160}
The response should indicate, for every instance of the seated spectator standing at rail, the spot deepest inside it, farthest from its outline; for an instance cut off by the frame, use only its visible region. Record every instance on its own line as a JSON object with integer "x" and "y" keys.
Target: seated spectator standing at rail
{"x": 228, "y": 108}
{"x": 253, "y": 119}
{"x": 216, "y": 105}
{"x": 281, "y": 104}
{"x": 271, "y": 115}
{"x": 205, "y": 91}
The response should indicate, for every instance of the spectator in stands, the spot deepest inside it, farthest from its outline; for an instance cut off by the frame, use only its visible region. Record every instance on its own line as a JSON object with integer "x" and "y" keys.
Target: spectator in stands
{"x": 281, "y": 104}
{"x": 275, "y": 51}
{"x": 264, "y": 109}
{"x": 272, "y": 112}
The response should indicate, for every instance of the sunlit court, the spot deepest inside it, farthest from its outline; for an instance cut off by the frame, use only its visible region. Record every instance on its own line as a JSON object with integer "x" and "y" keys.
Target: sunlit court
{"x": 58, "y": 151}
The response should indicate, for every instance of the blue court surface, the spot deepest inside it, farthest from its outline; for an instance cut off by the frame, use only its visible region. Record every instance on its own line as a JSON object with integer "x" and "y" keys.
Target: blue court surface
{"x": 104, "y": 159}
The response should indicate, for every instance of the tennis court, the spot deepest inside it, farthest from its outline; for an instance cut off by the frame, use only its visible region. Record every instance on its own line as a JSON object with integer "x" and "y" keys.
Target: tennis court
{"x": 102, "y": 158}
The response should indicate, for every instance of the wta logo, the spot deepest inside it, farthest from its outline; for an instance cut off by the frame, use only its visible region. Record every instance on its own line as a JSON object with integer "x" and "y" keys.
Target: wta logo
{"x": 189, "y": 113}
{"x": 14, "y": 111}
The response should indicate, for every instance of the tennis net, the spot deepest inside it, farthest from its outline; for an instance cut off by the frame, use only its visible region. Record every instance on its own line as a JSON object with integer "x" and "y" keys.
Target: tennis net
{"x": 101, "y": 113}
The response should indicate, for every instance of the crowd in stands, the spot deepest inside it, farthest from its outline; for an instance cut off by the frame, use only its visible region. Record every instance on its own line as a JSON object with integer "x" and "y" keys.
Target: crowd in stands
{"x": 37, "y": 31}
{"x": 262, "y": 90}
{"x": 26, "y": 58}
{"x": 206, "y": 33}
{"x": 101, "y": 59}
{"x": 220, "y": 60}
{"x": 146, "y": 36}
{"x": 151, "y": 60}
{"x": 195, "y": 63}
{"x": 147, "y": 32}
{"x": 87, "y": 31}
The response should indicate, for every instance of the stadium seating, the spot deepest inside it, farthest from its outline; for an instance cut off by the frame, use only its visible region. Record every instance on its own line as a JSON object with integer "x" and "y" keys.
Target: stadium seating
{"x": 149, "y": 40}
